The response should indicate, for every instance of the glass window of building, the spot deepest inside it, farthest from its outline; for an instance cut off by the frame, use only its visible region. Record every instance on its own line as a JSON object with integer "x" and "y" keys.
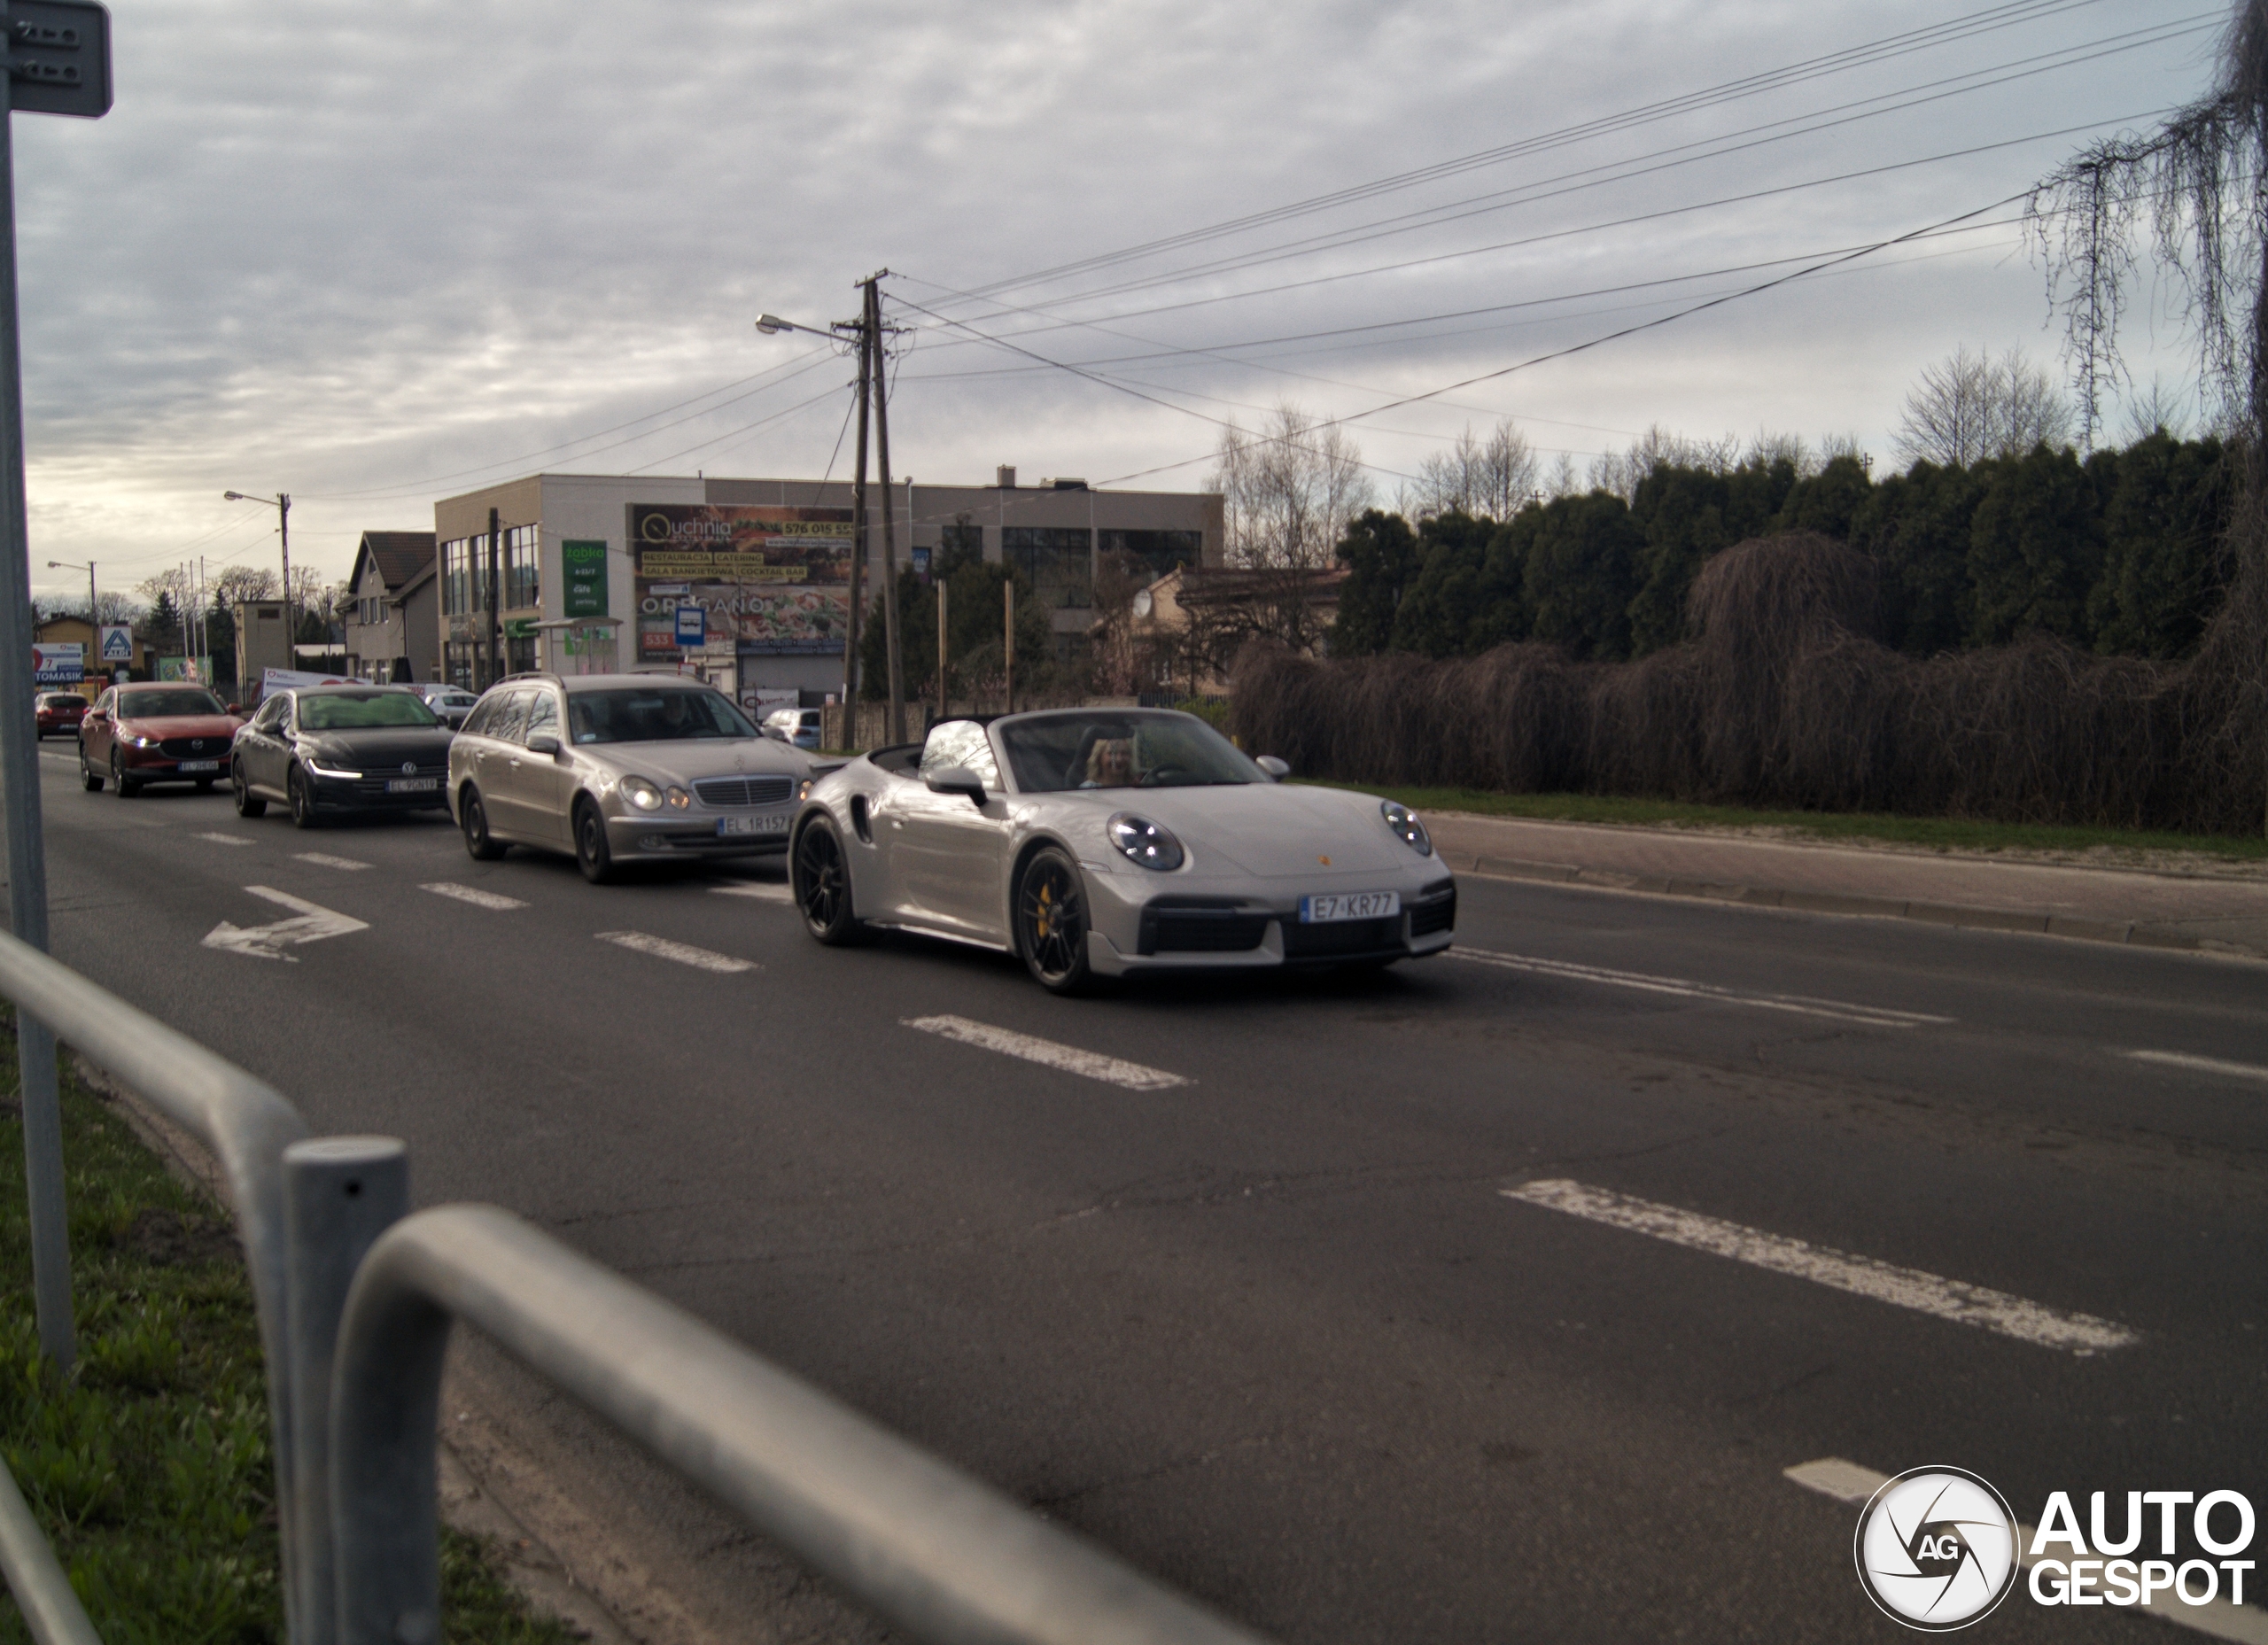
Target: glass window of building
{"x": 1160, "y": 551}
{"x": 519, "y": 552}
{"x": 1058, "y": 560}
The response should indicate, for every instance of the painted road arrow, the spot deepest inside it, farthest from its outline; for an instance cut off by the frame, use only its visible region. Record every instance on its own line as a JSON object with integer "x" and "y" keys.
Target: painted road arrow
{"x": 268, "y": 942}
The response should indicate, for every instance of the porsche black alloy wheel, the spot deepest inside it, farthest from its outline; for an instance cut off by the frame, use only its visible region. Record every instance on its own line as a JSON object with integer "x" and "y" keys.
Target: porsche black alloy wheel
{"x": 478, "y": 841}
{"x": 248, "y": 803}
{"x": 819, "y": 876}
{"x": 1052, "y": 922}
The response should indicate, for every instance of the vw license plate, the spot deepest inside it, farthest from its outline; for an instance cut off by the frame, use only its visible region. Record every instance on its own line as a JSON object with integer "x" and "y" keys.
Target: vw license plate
{"x": 728, "y": 826}
{"x": 412, "y": 785}
{"x": 199, "y": 765}
{"x": 1316, "y": 911}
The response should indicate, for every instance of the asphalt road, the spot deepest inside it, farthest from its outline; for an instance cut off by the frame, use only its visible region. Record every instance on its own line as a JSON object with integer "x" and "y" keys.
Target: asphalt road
{"x": 1279, "y": 1333}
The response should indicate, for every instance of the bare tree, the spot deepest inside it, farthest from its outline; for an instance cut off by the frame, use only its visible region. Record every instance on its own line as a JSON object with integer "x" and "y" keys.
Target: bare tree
{"x": 235, "y": 584}
{"x": 1289, "y": 490}
{"x": 1622, "y": 471}
{"x": 1494, "y": 480}
{"x": 1971, "y": 406}
{"x": 2157, "y": 409}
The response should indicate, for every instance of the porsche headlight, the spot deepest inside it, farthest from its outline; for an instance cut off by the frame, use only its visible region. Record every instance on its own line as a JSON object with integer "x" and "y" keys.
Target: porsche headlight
{"x": 1140, "y": 839}
{"x": 1405, "y": 822}
{"x": 679, "y": 799}
{"x": 641, "y": 794}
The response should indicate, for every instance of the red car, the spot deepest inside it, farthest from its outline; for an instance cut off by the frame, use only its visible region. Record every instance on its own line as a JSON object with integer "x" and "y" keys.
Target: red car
{"x": 138, "y": 734}
{"x": 59, "y": 710}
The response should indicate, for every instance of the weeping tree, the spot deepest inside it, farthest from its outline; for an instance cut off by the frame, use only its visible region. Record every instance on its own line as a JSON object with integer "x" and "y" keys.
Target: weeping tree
{"x": 2189, "y": 197}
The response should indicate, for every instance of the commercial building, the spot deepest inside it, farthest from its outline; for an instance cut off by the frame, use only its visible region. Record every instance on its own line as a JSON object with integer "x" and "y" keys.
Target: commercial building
{"x": 746, "y": 581}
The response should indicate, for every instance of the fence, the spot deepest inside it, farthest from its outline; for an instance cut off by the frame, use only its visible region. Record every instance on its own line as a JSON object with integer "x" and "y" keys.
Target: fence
{"x": 356, "y": 1299}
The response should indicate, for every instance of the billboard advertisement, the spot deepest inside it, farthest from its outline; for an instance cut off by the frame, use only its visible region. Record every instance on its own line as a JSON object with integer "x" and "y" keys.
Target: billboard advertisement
{"x": 774, "y": 579}
{"x": 58, "y": 665}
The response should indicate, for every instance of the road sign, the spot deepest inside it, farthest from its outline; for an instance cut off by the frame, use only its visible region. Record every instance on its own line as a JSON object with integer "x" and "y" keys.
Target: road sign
{"x": 692, "y": 626}
{"x": 117, "y": 643}
{"x": 58, "y": 58}
{"x": 58, "y": 665}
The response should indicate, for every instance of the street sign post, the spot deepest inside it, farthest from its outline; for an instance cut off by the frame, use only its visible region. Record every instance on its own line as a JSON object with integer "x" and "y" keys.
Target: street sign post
{"x": 58, "y": 63}
{"x": 692, "y": 626}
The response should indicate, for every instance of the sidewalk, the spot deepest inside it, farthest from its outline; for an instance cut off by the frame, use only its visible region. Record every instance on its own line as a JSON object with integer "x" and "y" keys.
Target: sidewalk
{"x": 2227, "y": 915}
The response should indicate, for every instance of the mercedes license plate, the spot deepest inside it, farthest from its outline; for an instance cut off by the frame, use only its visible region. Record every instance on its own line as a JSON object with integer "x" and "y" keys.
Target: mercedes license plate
{"x": 199, "y": 765}
{"x": 412, "y": 785}
{"x": 1316, "y": 911}
{"x": 728, "y": 826}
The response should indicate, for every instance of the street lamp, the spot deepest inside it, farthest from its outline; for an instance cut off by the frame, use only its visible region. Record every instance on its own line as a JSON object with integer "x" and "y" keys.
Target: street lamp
{"x": 94, "y": 611}
{"x": 281, "y": 503}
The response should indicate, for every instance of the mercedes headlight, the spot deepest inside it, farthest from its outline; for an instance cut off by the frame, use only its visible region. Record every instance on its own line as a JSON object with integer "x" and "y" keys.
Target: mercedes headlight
{"x": 1140, "y": 839}
{"x": 1405, "y": 822}
{"x": 804, "y": 791}
{"x": 641, "y": 794}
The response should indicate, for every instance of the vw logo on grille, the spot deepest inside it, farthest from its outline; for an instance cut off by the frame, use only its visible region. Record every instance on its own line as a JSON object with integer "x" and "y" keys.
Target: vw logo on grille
{"x": 408, "y": 767}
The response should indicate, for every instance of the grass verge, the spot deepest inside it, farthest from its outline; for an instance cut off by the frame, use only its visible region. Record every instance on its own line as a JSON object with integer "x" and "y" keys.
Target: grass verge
{"x": 148, "y": 1466}
{"x": 1941, "y": 833}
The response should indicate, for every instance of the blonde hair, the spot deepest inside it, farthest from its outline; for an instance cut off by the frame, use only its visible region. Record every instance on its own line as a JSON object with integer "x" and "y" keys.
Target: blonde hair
{"x": 1099, "y": 755}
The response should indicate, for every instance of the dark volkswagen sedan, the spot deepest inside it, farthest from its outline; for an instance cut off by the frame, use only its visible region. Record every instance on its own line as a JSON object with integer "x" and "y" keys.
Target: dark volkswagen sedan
{"x": 336, "y": 750}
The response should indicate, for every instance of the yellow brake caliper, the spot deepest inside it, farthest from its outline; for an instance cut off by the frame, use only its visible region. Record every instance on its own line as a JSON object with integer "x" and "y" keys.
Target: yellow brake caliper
{"x": 1046, "y": 921}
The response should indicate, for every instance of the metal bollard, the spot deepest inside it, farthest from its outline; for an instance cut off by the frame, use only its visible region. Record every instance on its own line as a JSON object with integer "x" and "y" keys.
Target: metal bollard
{"x": 340, "y": 1194}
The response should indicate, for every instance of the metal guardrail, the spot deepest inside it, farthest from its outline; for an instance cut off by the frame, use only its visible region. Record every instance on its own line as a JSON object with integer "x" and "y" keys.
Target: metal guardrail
{"x": 356, "y": 1303}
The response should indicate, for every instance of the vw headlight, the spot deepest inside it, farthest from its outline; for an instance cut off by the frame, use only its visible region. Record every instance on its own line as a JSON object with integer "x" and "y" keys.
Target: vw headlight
{"x": 1140, "y": 839}
{"x": 313, "y": 762}
{"x": 1405, "y": 822}
{"x": 679, "y": 799}
{"x": 641, "y": 794}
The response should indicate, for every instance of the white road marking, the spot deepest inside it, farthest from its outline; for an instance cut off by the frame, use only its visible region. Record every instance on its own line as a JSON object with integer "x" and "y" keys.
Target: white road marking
{"x": 314, "y": 924}
{"x": 1954, "y": 1299}
{"x": 1070, "y": 1058}
{"x": 323, "y": 859}
{"x": 684, "y": 953}
{"x": 2200, "y": 1065}
{"x": 1848, "y": 1482}
{"x": 471, "y": 894}
{"x": 1840, "y": 1011}
{"x": 756, "y": 889}
{"x": 225, "y": 838}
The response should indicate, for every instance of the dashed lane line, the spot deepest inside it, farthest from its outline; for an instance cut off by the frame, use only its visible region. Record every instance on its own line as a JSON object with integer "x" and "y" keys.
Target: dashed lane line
{"x": 1048, "y": 1053}
{"x": 1855, "y": 1485}
{"x": 684, "y": 953}
{"x": 1963, "y": 1303}
{"x": 760, "y": 891}
{"x": 225, "y": 838}
{"x": 1836, "y": 1010}
{"x": 472, "y": 894}
{"x": 2198, "y": 1065}
{"x": 324, "y": 859}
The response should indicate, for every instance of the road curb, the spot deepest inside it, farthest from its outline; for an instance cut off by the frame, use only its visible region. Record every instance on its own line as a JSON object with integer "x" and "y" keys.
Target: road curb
{"x": 2135, "y": 934}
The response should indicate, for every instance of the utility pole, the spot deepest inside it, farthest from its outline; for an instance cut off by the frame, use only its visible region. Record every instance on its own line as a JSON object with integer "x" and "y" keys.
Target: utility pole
{"x": 851, "y": 681}
{"x": 494, "y": 543}
{"x": 1008, "y": 608}
{"x": 940, "y": 642}
{"x": 881, "y": 391}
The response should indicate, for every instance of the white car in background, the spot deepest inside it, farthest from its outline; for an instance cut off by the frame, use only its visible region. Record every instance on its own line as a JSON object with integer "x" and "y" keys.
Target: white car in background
{"x": 1103, "y": 843}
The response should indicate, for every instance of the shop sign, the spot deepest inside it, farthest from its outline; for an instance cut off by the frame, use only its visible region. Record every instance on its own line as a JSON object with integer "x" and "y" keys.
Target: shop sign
{"x": 582, "y": 564}
{"x": 766, "y": 580}
{"x": 58, "y": 665}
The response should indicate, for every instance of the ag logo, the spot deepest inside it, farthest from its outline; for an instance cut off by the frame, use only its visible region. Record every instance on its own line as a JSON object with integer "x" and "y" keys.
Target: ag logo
{"x": 1936, "y": 1549}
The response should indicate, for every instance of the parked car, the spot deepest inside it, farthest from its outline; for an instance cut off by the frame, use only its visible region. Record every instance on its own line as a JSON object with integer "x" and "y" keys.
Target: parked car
{"x": 136, "y": 735}
{"x": 340, "y": 749}
{"x": 1108, "y": 841}
{"x": 616, "y": 768}
{"x": 449, "y": 703}
{"x": 799, "y": 726}
{"x": 60, "y": 712}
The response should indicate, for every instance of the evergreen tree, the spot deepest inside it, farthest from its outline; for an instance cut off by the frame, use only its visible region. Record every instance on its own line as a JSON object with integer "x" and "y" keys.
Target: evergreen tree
{"x": 2034, "y": 549}
{"x": 1915, "y": 527}
{"x": 1581, "y": 573}
{"x": 2164, "y": 567}
{"x": 1827, "y": 501}
{"x": 1382, "y": 558}
{"x": 1444, "y": 603}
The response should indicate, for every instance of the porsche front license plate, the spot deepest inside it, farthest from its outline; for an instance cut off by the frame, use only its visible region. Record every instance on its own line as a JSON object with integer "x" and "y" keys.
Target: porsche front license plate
{"x": 751, "y": 825}
{"x": 412, "y": 785}
{"x": 1316, "y": 911}
{"x": 200, "y": 765}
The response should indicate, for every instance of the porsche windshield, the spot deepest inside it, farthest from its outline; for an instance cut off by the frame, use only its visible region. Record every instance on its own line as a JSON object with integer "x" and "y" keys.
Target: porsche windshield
{"x": 669, "y": 714}
{"x": 1084, "y": 749}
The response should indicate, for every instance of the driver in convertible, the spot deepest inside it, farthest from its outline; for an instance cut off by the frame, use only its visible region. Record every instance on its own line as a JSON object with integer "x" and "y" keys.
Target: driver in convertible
{"x": 1110, "y": 764}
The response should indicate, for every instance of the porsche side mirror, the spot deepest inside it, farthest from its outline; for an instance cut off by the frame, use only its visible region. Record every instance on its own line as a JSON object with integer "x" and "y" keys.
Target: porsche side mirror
{"x": 1274, "y": 767}
{"x": 544, "y": 745}
{"x": 957, "y": 779}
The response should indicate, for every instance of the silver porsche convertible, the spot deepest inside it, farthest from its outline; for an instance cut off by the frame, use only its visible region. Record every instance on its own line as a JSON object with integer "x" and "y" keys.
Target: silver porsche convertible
{"x": 1103, "y": 842}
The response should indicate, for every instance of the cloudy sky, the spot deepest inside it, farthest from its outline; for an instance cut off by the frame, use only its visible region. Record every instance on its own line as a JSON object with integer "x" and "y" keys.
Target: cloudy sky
{"x": 375, "y": 254}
